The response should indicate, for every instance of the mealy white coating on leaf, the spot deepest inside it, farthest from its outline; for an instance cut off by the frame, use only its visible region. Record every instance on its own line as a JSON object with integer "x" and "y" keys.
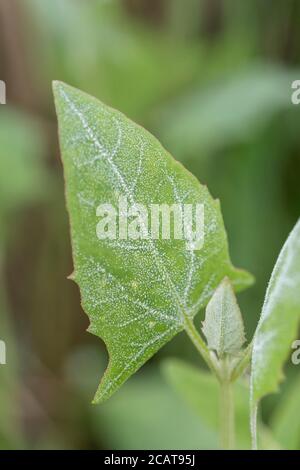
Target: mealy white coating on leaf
{"x": 223, "y": 326}
{"x": 137, "y": 293}
{"x": 277, "y": 326}
{"x": 285, "y": 276}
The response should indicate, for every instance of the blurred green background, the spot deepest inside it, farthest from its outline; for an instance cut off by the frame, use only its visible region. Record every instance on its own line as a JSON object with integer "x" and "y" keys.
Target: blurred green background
{"x": 212, "y": 80}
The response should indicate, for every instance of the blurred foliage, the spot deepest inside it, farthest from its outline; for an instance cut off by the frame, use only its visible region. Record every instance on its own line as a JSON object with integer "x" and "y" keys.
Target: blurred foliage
{"x": 285, "y": 419}
{"x": 10, "y": 432}
{"x": 226, "y": 112}
{"x": 210, "y": 78}
{"x": 188, "y": 380}
{"x": 22, "y": 179}
{"x": 130, "y": 67}
{"x": 145, "y": 413}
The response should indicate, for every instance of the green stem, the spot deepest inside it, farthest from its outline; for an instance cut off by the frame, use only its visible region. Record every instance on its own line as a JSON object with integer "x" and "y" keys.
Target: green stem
{"x": 226, "y": 386}
{"x": 201, "y": 347}
{"x": 227, "y": 415}
{"x": 253, "y": 425}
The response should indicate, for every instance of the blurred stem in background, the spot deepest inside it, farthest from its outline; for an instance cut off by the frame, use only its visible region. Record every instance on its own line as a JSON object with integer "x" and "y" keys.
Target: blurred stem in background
{"x": 227, "y": 415}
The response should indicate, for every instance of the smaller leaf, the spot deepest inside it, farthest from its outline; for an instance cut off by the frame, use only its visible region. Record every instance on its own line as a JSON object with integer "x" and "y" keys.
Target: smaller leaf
{"x": 223, "y": 326}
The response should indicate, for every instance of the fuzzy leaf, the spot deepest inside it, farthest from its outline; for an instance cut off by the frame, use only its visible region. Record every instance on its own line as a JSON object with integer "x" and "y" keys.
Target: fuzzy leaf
{"x": 278, "y": 323}
{"x": 138, "y": 294}
{"x": 223, "y": 326}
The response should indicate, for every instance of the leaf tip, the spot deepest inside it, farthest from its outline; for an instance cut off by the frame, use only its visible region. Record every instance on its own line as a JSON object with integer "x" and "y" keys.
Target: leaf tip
{"x": 61, "y": 90}
{"x": 57, "y": 84}
{"x": 242, "y": 279}
{"x": 72, "y": 276}
{"x": 95, "y": 402}
{"x": 226, "y": 282}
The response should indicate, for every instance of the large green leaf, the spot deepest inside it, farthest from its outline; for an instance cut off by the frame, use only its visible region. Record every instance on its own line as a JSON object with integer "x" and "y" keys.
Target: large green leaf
{"x": 138, "y": 294}
{"x": 278, "y": 323}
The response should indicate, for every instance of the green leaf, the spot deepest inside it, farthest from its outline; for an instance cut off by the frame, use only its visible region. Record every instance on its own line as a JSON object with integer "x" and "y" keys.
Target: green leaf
{"x": 223, "y": 325}
{"x": 278, "y": 323}
{"x": 201, "y": 391}
{"x": 138, "y": 294}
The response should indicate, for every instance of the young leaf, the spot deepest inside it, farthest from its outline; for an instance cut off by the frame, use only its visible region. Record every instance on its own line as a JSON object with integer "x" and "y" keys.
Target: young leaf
{"x": 278, "y": 323}
{"x": 223, "y": 326}
{"x": 138, "y": 293}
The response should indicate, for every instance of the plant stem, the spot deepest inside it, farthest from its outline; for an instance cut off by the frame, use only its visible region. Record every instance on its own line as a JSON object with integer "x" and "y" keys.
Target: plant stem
{"x": 253, "y": 426}
{"x": 227, "y": 414}
{"x": 201, "y": 347}
{"x": 226, "y": 386}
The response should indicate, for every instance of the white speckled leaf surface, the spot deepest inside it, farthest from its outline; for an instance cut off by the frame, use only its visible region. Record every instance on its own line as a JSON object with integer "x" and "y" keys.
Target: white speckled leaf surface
{"x": 280, "y": 317}
{"x": 137, "y": 293}
{"x": 223, "y": 326}
{"x": 277, "y": 327}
